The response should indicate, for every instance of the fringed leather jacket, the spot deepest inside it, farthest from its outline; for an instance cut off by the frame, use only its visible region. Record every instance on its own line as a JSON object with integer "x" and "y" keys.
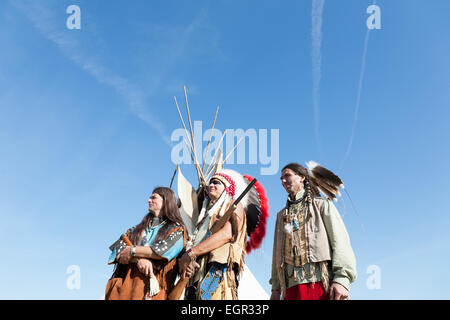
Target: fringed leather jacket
{"x": 326, "y": 239}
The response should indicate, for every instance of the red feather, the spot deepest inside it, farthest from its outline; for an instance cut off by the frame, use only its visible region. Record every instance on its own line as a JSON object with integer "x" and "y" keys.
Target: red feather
{"x": 258, "y": 235}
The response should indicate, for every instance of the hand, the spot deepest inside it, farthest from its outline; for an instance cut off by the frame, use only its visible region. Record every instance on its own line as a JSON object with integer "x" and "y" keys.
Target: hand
{"x": 183, "y": 264}
{"x": 192, "y": 267}
{"x": 145, "y": 266}
{"x": 338, "y": 292}
{"x": 275, "y": 295}
{"x": 125, "y": 256}
{"x": 186, "y": 267}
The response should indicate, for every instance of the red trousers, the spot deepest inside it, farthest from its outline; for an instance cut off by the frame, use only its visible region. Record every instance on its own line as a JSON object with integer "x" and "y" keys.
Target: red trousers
{"x": 307, "y": 291}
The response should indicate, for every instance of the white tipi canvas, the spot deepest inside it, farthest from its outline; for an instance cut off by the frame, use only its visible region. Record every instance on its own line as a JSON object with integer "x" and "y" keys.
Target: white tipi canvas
{"x": 249, "y": 288}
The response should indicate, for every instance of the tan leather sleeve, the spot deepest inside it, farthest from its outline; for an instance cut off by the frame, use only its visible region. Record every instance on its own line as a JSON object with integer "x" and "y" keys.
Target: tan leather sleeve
{"x": 237, "y": 221}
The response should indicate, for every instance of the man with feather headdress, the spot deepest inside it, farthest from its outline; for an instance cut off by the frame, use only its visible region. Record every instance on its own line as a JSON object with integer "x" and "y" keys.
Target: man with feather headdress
{"x": 215, "y": 258}
{"x": 225, "y": 218}
{"x": 312, "y": 256}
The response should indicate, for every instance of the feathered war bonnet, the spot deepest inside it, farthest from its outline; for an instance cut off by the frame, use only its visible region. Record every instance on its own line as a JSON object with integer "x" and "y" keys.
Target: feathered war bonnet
{"x": 234, "y": 183}
{"x": 255, "y": 203}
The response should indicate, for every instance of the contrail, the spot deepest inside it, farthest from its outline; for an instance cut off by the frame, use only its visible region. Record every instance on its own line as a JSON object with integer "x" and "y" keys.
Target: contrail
{"x": 44, "y": 21}
{"x": 358, "y": 96}
{"x": 316, "y": 35}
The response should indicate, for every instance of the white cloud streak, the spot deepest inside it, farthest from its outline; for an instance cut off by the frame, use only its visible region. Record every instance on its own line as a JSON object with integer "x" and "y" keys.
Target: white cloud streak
{"x": 316, "y": 35}
{"x": 43, "y": 20}
{"x": 358, "y": 97}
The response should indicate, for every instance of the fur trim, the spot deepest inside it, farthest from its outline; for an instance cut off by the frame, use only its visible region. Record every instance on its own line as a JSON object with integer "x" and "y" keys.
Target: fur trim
{"x": 288, "y": 228}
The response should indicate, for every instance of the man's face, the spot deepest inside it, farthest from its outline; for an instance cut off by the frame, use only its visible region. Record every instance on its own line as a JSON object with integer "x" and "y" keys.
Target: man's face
{"x": 291, "y": 182}
{"x": 155, "y": 203}
{"x": 215, "y": 189}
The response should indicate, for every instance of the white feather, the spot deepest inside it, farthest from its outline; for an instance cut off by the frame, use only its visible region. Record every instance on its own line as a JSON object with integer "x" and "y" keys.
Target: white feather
{"x": 311, "y": 165}
{"x": 288, "y": 228}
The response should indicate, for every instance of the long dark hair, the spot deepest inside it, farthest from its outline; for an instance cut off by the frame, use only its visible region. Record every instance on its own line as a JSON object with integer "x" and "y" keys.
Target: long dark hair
{"x": 169, "y": 211}
{"x": 297, "y": 168}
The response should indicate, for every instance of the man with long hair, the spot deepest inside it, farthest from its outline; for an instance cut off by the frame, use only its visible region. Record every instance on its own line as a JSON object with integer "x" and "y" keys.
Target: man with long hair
{"x": 147, "y": 269}
{"x": 312, "y": 256}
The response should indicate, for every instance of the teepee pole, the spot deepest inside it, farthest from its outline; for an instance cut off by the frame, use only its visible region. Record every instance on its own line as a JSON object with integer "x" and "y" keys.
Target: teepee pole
{"x": 229, "y": 153}
{"x": 190, "y": 146}
{"x": 173, "y": 177}
{"x": 209, "y": 141}
{"x": 199, "y": 172}
{"x": 226, "y": 158}
{"x": 214, "y": 156}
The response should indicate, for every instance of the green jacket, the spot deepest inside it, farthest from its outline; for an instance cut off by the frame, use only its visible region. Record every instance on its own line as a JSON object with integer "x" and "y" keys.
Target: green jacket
{"x": 326, "y": 240}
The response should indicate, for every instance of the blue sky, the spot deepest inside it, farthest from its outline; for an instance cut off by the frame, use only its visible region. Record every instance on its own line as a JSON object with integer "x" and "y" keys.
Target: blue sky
{"x": 86, "y": 118}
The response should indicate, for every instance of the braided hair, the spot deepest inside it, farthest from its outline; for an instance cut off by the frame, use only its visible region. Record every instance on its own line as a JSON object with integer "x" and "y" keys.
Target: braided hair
{"x": 310, "y": 188}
